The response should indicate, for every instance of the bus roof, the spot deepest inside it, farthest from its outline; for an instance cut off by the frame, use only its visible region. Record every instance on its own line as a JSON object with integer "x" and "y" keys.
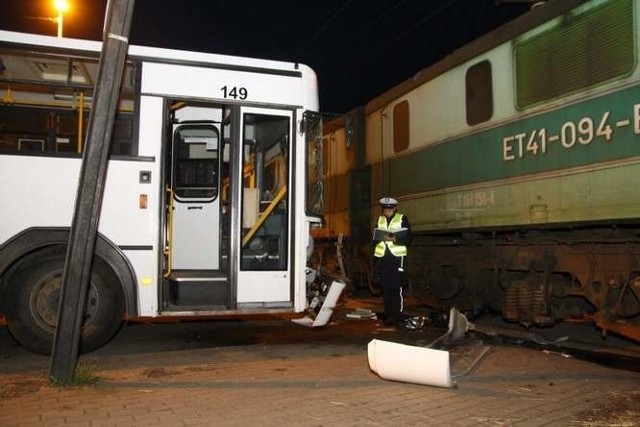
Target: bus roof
{"x": 149, "y": 53}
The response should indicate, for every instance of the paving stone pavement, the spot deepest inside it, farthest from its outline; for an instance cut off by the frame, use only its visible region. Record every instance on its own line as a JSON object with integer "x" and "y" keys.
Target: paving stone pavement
{"x": 321, "y": 382}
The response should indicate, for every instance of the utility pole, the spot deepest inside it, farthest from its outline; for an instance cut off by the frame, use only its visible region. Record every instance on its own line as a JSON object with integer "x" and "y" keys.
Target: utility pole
{"x": 93, "y": 173}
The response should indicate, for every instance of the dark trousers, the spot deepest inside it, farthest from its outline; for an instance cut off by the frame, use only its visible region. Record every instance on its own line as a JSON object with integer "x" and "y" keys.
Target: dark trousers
{"x": 391, "y": 280}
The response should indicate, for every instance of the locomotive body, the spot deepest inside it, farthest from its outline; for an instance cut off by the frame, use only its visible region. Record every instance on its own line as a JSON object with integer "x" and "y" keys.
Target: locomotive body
{"x": 516, "y": 159}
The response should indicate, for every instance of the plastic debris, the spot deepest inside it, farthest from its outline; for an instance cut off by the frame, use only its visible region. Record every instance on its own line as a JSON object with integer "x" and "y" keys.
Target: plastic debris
{"x": 361, "y": 313}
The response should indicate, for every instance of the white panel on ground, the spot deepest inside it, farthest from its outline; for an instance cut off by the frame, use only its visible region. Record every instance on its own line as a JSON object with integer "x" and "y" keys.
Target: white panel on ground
{"x": 401, "y": 362}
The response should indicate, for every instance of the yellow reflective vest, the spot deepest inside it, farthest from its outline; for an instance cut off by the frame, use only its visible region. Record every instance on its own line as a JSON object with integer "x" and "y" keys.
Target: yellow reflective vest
{"x": 394, "y": 224}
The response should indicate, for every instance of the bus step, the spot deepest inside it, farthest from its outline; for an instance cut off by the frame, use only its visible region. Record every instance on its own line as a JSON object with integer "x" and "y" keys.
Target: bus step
{"x": 187, "y": 290}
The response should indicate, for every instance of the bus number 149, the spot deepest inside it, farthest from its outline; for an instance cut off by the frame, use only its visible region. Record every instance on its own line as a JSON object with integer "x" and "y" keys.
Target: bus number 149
{"x": 234, "y": 92}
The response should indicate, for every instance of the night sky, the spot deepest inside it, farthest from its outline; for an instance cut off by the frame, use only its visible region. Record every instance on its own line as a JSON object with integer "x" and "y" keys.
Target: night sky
{"x": 358, "y": 48}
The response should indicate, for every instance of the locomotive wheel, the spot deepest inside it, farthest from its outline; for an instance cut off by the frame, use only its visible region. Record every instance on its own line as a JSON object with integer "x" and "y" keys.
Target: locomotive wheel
{"x": 33, "y": 298}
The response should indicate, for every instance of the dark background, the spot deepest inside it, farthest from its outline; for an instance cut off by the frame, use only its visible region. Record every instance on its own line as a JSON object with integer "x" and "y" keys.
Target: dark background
{"x": 358, "y": 48}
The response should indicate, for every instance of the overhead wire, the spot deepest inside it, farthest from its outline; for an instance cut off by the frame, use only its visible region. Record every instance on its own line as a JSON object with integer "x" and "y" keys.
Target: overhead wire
{"x": 394, "y": 40}
{"x": 413, "y": 28}
{"x": 373, "y": 22}
{"x": 322, "y": 28}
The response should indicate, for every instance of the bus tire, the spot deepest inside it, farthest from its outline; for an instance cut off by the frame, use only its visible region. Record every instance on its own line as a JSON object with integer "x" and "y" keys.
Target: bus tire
{"x": 32, "y": 305}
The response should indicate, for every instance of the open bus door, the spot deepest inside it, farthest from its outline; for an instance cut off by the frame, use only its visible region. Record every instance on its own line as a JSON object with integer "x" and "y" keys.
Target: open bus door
{"x": 195, "y": 277}
{"x": 229, "y": 220}
{"x": 196, "y": 199}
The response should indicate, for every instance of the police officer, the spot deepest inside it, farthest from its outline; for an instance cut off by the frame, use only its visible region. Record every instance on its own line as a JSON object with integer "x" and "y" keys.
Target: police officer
{"x": 390, "y": 251}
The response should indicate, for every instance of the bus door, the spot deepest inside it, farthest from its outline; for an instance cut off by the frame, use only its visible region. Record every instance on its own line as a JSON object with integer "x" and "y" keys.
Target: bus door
{"x": 264, "y": 221}
{"x": 194, "y": 185}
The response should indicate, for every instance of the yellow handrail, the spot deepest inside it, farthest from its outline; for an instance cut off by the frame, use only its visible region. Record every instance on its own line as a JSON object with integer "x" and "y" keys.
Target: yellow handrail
{"x": 264, "y": 215}
{"x": 169, "y": 233}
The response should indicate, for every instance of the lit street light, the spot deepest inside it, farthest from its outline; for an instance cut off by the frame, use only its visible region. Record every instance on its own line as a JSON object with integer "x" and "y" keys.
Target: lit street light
{"x": 61, "y": 6}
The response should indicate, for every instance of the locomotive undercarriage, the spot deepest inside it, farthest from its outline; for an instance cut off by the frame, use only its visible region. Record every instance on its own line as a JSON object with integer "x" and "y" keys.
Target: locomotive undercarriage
{"x": 535, "y": 277}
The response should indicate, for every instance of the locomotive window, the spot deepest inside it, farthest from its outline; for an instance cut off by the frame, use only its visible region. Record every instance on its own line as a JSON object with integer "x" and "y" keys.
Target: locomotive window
{"x": 583, "y": 51}
{"x": 401, "y": 126}
{"x": 479, "y": 93}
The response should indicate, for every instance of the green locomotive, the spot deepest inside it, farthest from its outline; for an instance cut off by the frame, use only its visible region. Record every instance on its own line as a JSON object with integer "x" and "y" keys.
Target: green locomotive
{"x": 517, "y": 160}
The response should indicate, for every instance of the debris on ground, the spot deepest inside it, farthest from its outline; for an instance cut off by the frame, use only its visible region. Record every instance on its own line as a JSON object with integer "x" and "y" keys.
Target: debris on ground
{"x": 322, "y": 307}
{"x": 458, "y": 327}
{"x": 418, "y": 365}
{"x": 431, "y": 364}
{"x": 466, "y": 355}
{"x": 415, "y": 323}
{"x": 361, "y": 313}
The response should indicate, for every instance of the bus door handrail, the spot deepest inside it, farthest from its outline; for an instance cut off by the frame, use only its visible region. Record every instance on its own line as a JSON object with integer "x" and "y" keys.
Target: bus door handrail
{"x": 264, "y": 215}
{"x": 169, "y": 233}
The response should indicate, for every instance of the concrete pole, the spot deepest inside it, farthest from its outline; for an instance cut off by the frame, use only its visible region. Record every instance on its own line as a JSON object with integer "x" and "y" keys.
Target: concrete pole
{"x": 93, "y": 173}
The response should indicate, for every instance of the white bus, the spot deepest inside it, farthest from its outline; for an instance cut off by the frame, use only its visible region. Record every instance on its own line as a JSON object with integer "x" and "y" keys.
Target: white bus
{"x": 213, "y": 183}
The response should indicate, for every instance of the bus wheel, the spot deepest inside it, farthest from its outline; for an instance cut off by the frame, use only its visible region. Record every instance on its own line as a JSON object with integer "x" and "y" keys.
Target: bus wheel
{"x": 33, "y": 298}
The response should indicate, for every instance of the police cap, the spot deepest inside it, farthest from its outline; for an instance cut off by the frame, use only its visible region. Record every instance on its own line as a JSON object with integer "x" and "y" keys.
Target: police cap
{"x": 388, "y": 202}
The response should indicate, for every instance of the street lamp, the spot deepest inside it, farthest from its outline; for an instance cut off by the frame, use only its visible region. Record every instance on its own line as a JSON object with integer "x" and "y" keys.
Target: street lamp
{"x": 61, "y": 6}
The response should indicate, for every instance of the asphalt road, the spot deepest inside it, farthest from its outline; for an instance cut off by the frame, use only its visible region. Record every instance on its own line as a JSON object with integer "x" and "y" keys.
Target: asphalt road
{"x": 145, "y": 344}
{"x": 142, "y": 344}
